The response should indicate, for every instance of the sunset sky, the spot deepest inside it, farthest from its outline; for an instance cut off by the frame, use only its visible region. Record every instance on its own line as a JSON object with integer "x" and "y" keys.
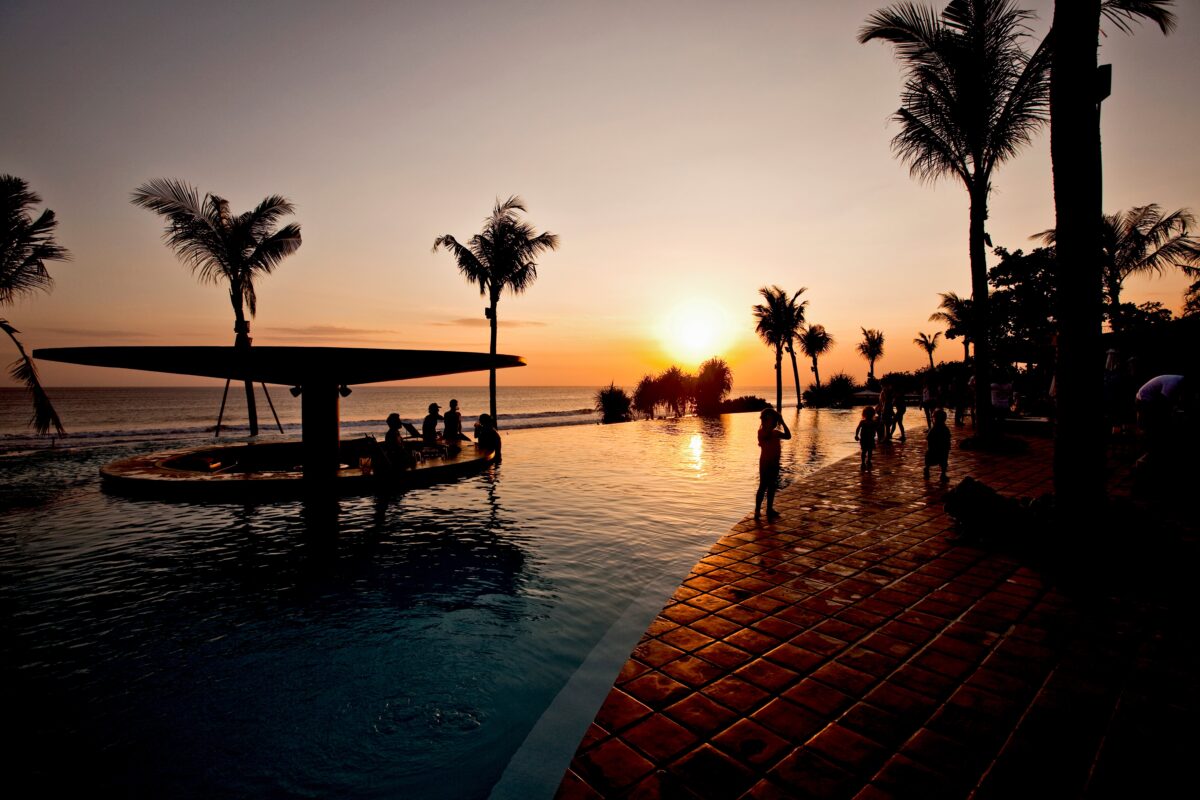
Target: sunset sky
{"x": 686, "y": 153}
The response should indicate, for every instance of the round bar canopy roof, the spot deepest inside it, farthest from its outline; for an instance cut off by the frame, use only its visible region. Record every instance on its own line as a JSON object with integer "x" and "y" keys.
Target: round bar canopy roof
{"x": 290, "y": 366}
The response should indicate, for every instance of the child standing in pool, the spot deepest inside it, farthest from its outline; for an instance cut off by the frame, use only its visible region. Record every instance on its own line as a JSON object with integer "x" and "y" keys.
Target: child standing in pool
{"x": 864, "y": 434}
{"x": 769, "y": 442}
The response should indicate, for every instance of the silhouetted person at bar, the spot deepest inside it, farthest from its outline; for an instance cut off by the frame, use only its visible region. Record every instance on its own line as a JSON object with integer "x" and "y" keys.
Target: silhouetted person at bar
{"x": 901, "y": 410}
{"x": 429, "y": 426}
{"x": 398, "y": 455}
{"x": 937, "y": 444}
{"x": 486, "y": 435}
{"x": 452, "y": 432}
{"x": 770, "y": 440}
{"x": 864, "y": 434}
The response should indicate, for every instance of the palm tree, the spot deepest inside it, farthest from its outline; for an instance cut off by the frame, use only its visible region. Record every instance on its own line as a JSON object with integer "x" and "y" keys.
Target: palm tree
{"x": 499, "y": 257}
{"x": 224, "y": 248}
{"x": 646, "y": 396}
{"x": 26, "y": 244}
{"x": 673, "y": 386}
{"x": 956, "y": 315}
{"x": 972, "y": 98}
{"x": 713, "y": 382}
{"x": 871, "y": 348}
{"x": 1140, "y": 241}
{"x": 815, "y": 341}
{"x": 796, "y": 323}
{"x": 775, "y": 325}
{"x": 1079, "y": 463}
{"x": 928, "y": 344}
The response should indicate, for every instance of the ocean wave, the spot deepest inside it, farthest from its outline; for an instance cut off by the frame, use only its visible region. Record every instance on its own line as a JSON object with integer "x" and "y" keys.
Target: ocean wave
{"x": 19, "y": 444}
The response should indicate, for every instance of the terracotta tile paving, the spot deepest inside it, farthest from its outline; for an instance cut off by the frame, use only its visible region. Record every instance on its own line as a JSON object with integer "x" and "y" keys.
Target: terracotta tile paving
{"x": 856, "y": 649}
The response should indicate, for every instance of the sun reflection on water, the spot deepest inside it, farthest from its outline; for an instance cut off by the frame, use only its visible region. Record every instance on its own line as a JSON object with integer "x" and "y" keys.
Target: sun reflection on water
{"x": 695, "y": 447}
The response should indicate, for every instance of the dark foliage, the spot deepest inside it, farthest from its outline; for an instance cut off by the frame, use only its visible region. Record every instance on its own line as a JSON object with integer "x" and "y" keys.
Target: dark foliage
{"x": 613, "y": 404}
{"x": 744, "y": 403}
{"x": 711, "y": 384}
{"x": 838, "y": 392}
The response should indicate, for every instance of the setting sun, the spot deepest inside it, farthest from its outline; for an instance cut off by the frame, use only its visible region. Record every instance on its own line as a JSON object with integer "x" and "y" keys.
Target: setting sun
{"x": 694, "y": 331}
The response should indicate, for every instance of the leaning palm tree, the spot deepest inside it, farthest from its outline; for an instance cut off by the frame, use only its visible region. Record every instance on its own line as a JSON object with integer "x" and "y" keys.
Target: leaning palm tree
{"x": 815, "y": 341}
{"x": 956, "y": 315}
{"x": 972, "y": 98}
{"x": 221, "y": 247}
{"x": 796, "y": 323}
{"x": 1075, "y": 153}
{"x": 871, "y": 348}
{"x": 928, "y": 344}
{"x": 26, "y": 244}
{"x": 775, "y": 325}
{"x": 499, "y": 257}
{"x": 1140, "y": 241}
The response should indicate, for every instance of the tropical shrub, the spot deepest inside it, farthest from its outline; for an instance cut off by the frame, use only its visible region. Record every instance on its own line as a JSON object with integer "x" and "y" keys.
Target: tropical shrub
{"x": 613, "y": 404}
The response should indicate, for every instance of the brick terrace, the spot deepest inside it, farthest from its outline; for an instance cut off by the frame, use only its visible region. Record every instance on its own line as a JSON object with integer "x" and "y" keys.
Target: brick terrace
{"x": 855, "y": 649}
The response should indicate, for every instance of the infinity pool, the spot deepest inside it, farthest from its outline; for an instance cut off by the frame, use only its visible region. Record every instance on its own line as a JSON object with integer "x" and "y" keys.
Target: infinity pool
{"x": 407, "y": 650}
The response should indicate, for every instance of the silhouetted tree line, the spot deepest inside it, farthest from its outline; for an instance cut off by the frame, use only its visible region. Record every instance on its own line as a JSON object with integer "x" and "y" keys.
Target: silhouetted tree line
{"x": 675, "y": 392}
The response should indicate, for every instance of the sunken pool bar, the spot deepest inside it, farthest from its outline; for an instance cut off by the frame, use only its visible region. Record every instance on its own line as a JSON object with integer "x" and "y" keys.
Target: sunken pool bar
{"x": 273, "y": 469}
{"x": 320, "y": 461}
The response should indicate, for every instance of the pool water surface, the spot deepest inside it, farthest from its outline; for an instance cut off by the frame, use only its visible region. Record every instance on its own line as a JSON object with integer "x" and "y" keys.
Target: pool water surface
{"x": 385, "y": 647}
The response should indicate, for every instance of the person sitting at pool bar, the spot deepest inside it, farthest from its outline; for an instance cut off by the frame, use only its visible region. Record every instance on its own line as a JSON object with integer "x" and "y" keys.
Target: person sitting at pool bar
{"x": 429, "y": 427}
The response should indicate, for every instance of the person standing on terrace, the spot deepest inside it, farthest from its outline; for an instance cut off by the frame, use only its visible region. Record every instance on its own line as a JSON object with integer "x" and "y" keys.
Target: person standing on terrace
{"x": 769, "y": 440}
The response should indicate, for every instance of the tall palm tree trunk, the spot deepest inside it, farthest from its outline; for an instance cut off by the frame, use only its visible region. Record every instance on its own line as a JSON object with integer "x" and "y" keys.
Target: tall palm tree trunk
{"x": 979, "y": 302}
{"x": 492, "y": 368}
{"x": 930, "y": 354}
{"x": 779, "y": 378}
{"x": 816, "y": 374}
{"x": 795, "y": 371}
{"x": 241, "y": 343}
{"x": 966, "y": 351}
{"x": 1075, "y": 155}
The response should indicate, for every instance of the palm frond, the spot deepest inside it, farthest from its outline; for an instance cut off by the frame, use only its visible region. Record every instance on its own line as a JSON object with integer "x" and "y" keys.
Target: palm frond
{"x": 270, "y": 250}
{"x": 24, "y": 370}
{"x": 469, "y": 264}
{"x": 914, "y": 29}
{"x": 1123, "y": 13}
{"x": 216, "y": 244}
{"x": 26, "y": 242}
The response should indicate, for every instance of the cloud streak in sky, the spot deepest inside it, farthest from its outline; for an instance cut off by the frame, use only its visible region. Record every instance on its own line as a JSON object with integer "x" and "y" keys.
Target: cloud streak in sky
{"x": 478, "y": 322}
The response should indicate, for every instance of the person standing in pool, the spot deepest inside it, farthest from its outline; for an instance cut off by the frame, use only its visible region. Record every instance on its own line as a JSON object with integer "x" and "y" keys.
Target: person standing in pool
{"x": 771, "y": 449}
{"x": 486, "y": 435}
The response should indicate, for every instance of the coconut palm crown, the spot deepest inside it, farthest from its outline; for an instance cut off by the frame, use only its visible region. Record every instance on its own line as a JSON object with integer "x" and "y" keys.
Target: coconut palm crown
{"x": 501, "y": 256}
{"x": 776, "y": 324}
{"x": 815, "y": 341}
{"x": 871, "y": 348}
{"x": 223, "y": 247}
{"x": 928, "y": 344}
{"x": 973, "y": 97}
{"x": 955, "y": 313}
{"x": 1140, "y": 241}
{"x": 26, "y": 244}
